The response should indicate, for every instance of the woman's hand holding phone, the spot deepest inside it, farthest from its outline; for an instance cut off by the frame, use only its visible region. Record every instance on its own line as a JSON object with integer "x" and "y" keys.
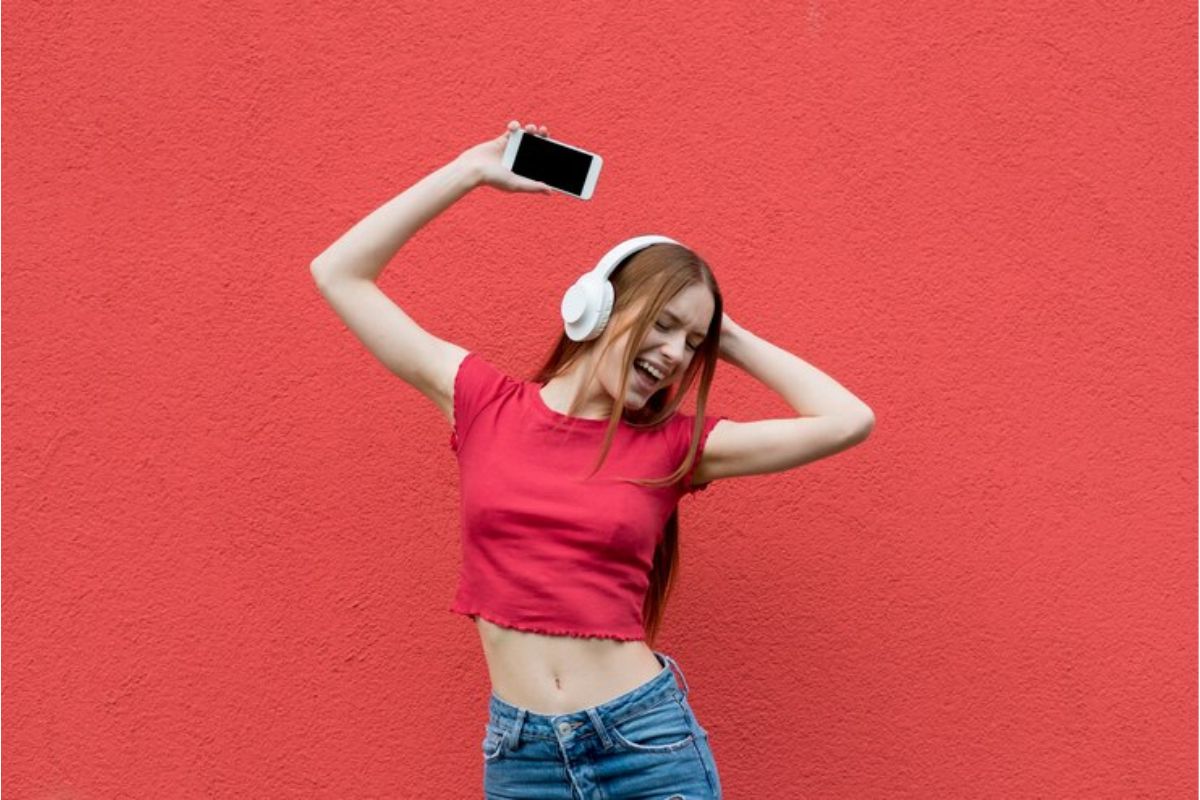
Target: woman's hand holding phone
{"x": 486, "y": 161}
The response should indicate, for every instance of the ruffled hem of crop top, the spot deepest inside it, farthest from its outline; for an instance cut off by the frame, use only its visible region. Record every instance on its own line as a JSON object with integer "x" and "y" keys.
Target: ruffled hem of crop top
{"x": 546, "y": 630}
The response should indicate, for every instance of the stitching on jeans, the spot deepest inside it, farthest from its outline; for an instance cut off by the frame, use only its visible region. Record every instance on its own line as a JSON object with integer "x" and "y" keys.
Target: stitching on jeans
{"x": 712, "y": 781}
{"x": 667, "y": 748}
{"x": 712, "y": 784}
{"x": 674, "y": 747}
{"x": 641, "y": 710}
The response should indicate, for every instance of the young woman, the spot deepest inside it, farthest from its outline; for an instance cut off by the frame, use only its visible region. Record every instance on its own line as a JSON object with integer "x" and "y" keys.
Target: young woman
{"x": 570, "y": 483}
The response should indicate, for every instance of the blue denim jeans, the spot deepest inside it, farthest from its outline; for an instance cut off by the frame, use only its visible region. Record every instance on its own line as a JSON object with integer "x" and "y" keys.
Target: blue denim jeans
{"x": 646, "y": 743}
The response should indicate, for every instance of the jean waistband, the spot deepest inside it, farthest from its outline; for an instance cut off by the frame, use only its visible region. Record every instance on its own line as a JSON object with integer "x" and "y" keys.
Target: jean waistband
{"x": 516, "y": 721}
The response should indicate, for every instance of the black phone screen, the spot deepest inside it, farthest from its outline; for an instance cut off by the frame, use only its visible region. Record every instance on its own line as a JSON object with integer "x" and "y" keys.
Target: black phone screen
{"x": 561, "y": 167}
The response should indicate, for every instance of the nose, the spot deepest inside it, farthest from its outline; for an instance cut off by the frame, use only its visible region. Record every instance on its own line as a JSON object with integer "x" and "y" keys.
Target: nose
{"x": 681, "y": 352}
{"x": 677, "y": 351}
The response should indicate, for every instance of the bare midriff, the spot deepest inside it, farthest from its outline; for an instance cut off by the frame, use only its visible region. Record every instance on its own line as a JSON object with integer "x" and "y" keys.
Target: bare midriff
{"x": 562, "y": 674}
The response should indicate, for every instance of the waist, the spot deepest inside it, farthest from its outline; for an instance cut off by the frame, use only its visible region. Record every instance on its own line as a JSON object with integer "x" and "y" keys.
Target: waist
{"x": 562, "y": 674}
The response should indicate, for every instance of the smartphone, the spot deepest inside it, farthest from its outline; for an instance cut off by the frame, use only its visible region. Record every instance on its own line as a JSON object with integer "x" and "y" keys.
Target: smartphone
{"x": 570, "y": 170}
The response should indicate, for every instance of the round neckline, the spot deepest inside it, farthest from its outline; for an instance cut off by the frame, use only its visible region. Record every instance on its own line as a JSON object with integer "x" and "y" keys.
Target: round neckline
{"x": 540, "y": 402}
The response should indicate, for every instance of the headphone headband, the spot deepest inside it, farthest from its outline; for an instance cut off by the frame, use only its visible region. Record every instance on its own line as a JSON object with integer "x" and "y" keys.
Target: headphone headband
{"x": 587, "y": 304}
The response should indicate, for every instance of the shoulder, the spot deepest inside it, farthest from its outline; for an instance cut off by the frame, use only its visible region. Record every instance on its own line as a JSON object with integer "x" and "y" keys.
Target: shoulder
{"x": 683, "y": 426}
{"x": 687, "y": 428}
{"x": 477, "y": 382}
{"x": 476, "y": 371}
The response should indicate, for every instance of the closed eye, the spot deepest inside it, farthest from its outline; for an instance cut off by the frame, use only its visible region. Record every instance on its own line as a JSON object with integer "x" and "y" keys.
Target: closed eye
{"x": 662, "y": 327}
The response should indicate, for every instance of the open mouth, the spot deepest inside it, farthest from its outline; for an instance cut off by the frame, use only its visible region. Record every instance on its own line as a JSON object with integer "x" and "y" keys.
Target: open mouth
{"x": 647, "y": 379}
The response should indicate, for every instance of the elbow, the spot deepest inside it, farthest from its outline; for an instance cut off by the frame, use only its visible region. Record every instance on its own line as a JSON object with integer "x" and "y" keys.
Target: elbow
{"x": 861, "y": 425}
{"x": 317, "y": 271}
{"x": 326, "y": 275}
{"x": 322, "y": 274}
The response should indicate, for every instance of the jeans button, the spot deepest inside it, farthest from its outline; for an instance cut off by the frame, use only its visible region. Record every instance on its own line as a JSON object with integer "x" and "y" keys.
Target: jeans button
{"x": 564, "y": 727}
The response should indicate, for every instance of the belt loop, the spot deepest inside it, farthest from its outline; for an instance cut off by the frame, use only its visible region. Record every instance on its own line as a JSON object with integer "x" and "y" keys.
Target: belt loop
{"x": 514, "y": 734}
{"x": 672, "y": 663}
{"x": 598, "y": 724}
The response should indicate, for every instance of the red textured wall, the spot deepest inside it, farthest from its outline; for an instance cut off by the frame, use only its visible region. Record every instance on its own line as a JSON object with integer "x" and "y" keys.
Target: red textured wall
{"x": 230, "y": 535}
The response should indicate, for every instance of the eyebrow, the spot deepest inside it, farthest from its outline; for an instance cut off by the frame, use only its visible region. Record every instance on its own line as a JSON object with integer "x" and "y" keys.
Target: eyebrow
{"x": 677, "y": 321}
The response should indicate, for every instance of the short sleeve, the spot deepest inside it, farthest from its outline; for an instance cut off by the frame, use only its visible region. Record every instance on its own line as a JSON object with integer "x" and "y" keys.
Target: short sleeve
{"x": 476, "y": 383}
{"x": 683, "y": 440}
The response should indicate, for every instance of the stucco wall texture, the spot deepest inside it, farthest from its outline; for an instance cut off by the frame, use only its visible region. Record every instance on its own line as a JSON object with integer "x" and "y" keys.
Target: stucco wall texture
{"x": 230, "y": 535}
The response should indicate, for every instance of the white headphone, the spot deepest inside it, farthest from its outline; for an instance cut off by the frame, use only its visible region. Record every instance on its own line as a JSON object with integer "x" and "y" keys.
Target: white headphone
{"x": 588, "y": 303}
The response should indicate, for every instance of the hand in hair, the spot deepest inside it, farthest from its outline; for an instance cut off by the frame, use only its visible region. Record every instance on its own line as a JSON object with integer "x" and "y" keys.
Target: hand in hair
{"x": 728, "y": 335}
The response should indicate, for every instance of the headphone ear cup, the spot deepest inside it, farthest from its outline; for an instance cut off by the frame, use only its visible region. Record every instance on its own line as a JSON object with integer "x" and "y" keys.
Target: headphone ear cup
{"x": 605, "y": 310}
{"x": 586, "y": 307}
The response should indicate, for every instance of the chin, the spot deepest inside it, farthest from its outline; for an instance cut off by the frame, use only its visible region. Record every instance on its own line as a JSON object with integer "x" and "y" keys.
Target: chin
{"x": 635, "y": 399}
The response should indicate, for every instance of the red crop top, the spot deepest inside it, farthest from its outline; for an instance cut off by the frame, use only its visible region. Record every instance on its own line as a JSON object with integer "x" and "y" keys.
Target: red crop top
{"x": 544, "y": 550}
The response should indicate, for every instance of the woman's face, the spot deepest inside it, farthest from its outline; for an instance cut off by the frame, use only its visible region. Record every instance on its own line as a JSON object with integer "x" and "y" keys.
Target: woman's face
{"x": 670, "y": 343}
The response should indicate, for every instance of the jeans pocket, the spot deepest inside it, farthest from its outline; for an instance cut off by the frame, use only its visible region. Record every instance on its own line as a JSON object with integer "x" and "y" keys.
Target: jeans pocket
{"x": 661, "y": 729}
{"x": 493, "y": 742}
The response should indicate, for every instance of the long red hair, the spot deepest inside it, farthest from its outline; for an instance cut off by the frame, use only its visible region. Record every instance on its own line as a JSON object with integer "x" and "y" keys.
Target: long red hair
{"x": 642, "y": 285}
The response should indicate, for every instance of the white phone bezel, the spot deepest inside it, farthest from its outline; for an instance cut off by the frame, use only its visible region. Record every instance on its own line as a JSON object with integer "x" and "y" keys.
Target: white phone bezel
{"x": 589, "y": 185}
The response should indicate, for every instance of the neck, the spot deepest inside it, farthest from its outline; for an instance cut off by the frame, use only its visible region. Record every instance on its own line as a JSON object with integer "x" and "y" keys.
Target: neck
{"x": 558, "y": 392}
